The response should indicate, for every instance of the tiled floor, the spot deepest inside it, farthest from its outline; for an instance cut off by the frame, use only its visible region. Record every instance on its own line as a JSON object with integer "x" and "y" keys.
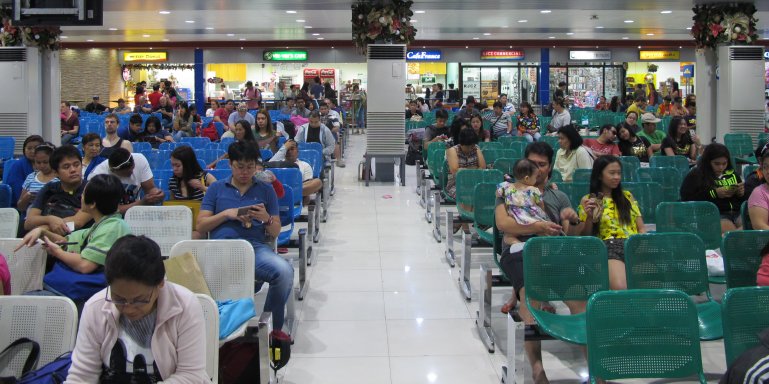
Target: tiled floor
{"x": 384, "y": 306}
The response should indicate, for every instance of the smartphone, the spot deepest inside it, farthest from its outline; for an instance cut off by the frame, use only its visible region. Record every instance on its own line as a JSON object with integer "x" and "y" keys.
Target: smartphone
{"x": 243, "y": 211}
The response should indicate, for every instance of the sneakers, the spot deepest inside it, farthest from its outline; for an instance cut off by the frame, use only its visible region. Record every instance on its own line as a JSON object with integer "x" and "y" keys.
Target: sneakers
{"x": 340, "y": 163}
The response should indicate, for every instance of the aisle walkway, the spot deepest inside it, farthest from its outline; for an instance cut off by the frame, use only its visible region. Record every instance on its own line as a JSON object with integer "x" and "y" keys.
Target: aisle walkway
{"x": 384, "y": 307}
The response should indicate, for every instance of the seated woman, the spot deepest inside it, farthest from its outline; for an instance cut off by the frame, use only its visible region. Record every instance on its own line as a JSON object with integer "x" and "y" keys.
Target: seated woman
{"x": 631, "y": 121}
{"x": 77, "y": 273}
{"x": 464, "y": 155}
{"x": 714, "y": 180}
{"x": 36, "y": 180}
{"x": 632, "y": 145}
{"x": 15, "y": 173}
{"x": 528, "y": 124}
{"x": 155, "y": 134}
{"x": 91, "y": 153}
{"x": 476, "y": 122}
{"x": 612, "y": 214}
{"x": 140, "y": 317}
{"x": 678, "y": 141}
{"x": 189, "y": 181}
{"x": 241, "y": 132}
{"x": 182, "y": 123}
{"x": 758, "y": 202}
{"x": 571, "y": 155}
{"x": 265, "y": 134}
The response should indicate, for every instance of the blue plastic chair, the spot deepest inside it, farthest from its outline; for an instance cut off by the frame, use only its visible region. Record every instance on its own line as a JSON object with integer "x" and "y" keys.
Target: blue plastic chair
{"x": 212, "y": 146}
{"x": 314, "y": 159}
{"x": 266, "y": 154}
{"x": 5, "y": 196}
{"x": 223, "y": 164}
{"x": 291, "y": 177}
{"x": 220, "y": 174}
{"x": 142, "y": 147}
{"x": 196, "y": 142}
{"x": 225, "y": 143}
{"x": 7, "y": 145}
{"x": 281, "y": 140}
{"x": 219, "y": 128}
{"x": 286, "y": 211}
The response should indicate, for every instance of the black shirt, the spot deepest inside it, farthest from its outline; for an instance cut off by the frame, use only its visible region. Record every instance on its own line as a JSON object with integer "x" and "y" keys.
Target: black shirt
{"x": 313, "y": 135}
{"x": 95, "y": 108}
{"x": 637, "y": 148}
{"x": 409, "y": 114}
{"x": 53, "y": 200}
{"x": 681, "y": 147}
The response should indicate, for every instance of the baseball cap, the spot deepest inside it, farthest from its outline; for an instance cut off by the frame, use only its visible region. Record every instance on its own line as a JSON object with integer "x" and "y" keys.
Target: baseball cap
{"x": 120, "y": 101}
{"x": 96, "y": 97}
{"x": 649, "y": 117}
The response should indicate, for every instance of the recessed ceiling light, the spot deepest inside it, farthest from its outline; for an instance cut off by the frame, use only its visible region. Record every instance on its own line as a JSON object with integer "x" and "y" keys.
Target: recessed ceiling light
{"x": 545, "y": 11}
{"x": 688, "y": 28}
{"x": 599, "y": 27}
{"x": 89, "y": 40}
{"x": 320, "y": 38}
{"x": 476, "y": 38}
{"x": 332, "y": 47}
{"x": 316, "y": 34}
{"x": 625, "y": 37}
{"x": 189, "y": 21}
{"x": 64, "y": 37}
{"x": 680, "y": 47}
{"x": 210, "y": 28}
{"x": 629, "y": 21}
{"x": 166, "y": 40}
{"x": 308, "y": 26}
{"x": 242, "y": 39}
{"x": 146, "y": 35}
{"x": 419, "y": 11}
{"x": 649, "y": 34}
{"x": 230, "y": 34}
{"x": 300, "y": 20}
{"x": 164, "y": 12}
{"x": 639, "y": 47}
{"x": 487, "y": 34}
{"x": 569, "y": 33}
{"x": 290, "y": 11}
{"x": 511, "y": 47}
{"x": 414, "y": 20}
{"x": 466, "y": 47}
{"x": 665, "y": 12}
{"x": 523, "y": 21}
{"x": 551, "y": 37}
{"x": 113, "y": 29}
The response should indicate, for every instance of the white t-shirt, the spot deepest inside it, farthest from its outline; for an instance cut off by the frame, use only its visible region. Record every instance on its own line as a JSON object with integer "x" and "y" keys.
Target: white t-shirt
{"x": 306, "y": 170}
{"x": 131, "y": 185}
{"x": 561, "y": 119}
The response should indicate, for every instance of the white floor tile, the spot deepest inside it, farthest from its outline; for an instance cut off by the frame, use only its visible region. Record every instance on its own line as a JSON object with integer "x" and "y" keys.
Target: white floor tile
{"x": 427, "y": 259}
{"x": 331, "y": 370}
{"x": 417, "y": 280}
{"x": 329, "y": 280}
{"x": 419, "y": 337}
{"x": 324, "y": 305}
{"x": 425, "y": 305}
{"x": 340, "y": 339}
{"x": 474, "y": 369}
{"x": 347, "y": 260}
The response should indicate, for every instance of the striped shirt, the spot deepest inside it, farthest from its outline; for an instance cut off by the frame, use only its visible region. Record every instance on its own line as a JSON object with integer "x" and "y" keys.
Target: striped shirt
{"x": 33, "y": 184}
{"x": 174, "y": 185}
{"x": 498, "y": 123}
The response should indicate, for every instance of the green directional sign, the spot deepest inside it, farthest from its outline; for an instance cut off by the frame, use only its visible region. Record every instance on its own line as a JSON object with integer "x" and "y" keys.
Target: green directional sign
{"x": 292, "y": 55}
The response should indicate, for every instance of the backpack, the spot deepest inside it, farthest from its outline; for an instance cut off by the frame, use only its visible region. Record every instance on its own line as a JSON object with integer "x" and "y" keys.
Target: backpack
{"x": 239, "y": 360}
{"x": 289, "y": 127}
{"x": 414, "y": 151}
{"x": 209, "y": 131}
{"x": 54, "y": 372}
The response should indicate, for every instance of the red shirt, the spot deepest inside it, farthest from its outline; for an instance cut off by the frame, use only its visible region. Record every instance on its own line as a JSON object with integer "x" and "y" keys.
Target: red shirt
{"x": 223, "y": 115}
{"x": 601, "y": 149}
{"x": 154, "y": 99}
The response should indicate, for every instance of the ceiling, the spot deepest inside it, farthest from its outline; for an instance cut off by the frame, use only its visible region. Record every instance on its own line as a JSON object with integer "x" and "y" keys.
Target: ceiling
{"x": 237, "y": 21}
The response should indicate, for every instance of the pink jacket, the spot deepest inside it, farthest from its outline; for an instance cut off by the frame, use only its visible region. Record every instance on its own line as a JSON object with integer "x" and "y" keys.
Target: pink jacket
{"x": 178, "y": 344}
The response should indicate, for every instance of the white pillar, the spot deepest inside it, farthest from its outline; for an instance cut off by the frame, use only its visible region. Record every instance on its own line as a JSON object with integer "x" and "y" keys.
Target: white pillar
{"x": 705, "y": 88}
{"x": 50, "y": 96}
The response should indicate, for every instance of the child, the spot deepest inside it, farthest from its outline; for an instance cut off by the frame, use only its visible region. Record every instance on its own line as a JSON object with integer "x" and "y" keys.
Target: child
{"x": 36, "y": 180}
{"x": 524, "y": 203}
{"x": 763, "y": 270}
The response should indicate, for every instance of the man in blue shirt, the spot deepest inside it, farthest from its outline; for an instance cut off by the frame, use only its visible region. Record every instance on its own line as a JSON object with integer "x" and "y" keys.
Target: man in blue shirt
{"x": 222, "y": 216}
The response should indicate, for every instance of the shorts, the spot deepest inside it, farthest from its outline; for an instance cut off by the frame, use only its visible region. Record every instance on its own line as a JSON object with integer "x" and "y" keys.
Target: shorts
{"x": 615, "y": 249}
{"x": 512, "y": 265}
{"x": 732, "y": 216}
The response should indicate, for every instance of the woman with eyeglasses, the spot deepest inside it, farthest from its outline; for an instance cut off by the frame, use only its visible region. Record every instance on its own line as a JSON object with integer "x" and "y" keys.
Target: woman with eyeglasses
{"x": 77, "y": 272}
{"x": 140, "y": 329}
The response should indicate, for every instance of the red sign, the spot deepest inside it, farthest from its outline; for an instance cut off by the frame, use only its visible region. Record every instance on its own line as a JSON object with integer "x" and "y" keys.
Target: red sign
{"x": 494, "y": 54}
{"x": 310, "y": 72}
{"x": 327, "y": 72}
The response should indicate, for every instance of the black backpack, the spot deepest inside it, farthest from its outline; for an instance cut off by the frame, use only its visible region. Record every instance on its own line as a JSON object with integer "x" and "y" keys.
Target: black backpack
{"x": 289, "y": 127}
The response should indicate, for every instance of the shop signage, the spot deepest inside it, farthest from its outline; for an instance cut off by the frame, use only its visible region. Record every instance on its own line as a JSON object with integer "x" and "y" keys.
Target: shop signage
{"x": 424, "y": 55}
{"x": 493, "y": 54}
{"x": 766, "y": 55}
{"x": 154, "y": 56}
{"x": 589, "y": 55}
{"x": 292, "y": 55}
{"x": 687, "y": 71}
{"x": 429, "y": 79}
{"x": 659, "y": 55}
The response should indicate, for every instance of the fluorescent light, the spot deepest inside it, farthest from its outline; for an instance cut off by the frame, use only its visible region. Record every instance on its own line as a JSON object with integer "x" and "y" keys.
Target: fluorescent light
{"x": 89, "y": 40}
{"x": 189, "y": 21}
{"x": 166, "y": 40}
{"x": 476, "y": 38}
{"x": 308, "y": 26}
{"x": 625, "y": 37}
{"x": 629, "y": 21}
{"x": 649, "y": 34}
{"x": 487, "y": 34}
{"x": 165, "y": 12}
{"x": 414, "y": 20}
{"x": 551, "y": 37}
{"x": 230, "y": 34}
{"x": 146, "y": 35}
{"x": 316, "y": 34}
{"x": 290, "y": 11}
{"x": 545, "y": 11}
{"x": 242, "y": 39}
{"x": 599, "y": 27}
{"x": 419, "y": 11}
{"x": 113, "y": 29}
{"x": 523, "y": 21}
{"x": 300, "y": 21}
{"x": 688, "y": 28}
{"x": 569, "y": 33}
{"x": 666, "y": 12}
{"x": 64, "y": 37}
{"x": 320, "y": 38}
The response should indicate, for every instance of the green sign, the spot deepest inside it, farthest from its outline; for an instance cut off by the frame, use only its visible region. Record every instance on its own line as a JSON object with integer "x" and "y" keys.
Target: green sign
{"x": 293, "y": 55}
{"x": 428, "y": 79}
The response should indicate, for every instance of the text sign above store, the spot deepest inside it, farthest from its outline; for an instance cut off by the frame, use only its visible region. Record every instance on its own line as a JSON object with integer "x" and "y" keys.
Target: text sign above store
{"x": 145, "y": 56}
{"x": 589, "y": 55}
{"x": 659, "y": 55}
{"x": 493, "y": 54}
{"x": 424, "y": 55}
{"x": 293, "y": 55}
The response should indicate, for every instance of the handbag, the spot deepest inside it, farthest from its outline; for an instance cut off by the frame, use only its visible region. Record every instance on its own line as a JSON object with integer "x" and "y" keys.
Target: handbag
{"x": 54, "y": 372}
{"x": 233, "y": 314}
{"x": 185, "y": 271}
{"x": 14, "y": 351}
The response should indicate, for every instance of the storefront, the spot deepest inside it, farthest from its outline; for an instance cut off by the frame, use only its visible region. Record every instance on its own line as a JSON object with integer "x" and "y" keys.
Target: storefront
{"x": 766, "y": 73}
{"x": 155, "y": 66}
{"x": 500, "y": 71}
{"x": 661, "y": 68}
{"x": 588, "y": 75}
{"x": 425, "y": 69}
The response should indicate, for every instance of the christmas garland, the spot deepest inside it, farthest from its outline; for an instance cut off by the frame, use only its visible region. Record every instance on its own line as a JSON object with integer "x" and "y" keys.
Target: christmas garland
{"x": 724, "y": 23}
{"x": 44, "y": 37}
{"x": 389, "y": 21}
{"x": 158, "y": 66}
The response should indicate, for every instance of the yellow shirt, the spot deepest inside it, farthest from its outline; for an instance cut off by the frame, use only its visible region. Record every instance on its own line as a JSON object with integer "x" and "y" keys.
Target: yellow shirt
{"x": 635, "y": 108}
{"x": 610, "y": 227}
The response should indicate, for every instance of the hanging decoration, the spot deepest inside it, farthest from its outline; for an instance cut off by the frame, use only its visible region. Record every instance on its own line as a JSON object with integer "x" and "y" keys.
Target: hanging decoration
{"x": 652, "y": 68}
{"x": 159, "y": 66}
{"x": 215, "y": 80}
{"x": 382, "y": 22}
{"x": 43, "y": 37}
{"x": 724, "y": 23}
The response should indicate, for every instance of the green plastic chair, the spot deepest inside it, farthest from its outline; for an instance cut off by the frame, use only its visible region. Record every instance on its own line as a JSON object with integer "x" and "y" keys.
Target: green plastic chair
{"x": 507, "y": 141}
{"x": 552, "y": 141}
{"x": 484, "y": 200}
{"x": 642, "y": 333}
{"x": 518, "y": 147}
{"x": 491, "y": 155}
{"x": 745, "y": 215}
{"x": 581, "y": 175}
{"x": 435, "y": 159}
{"x": 646, "y": 194}
{"x": 433, "y": 147}
{"x": 544, "y": 121}
{"x": 668, "y": 178}
{"x": 748, "y": 169}
{"x": 466, "y": 180}
{"x": 698, "y": 217}
{"x": 575, "y": 191}
{"x": 674, "y": 261}
{"x": 629, "y": 165}
{"x": 746, "y": 314}
{"x": 443, "y": 181}
{"x": 484, "y": 145}
{"x": 763, "y": 138}
{"x": 505, "y": 165}
{"x": 555, "y": 176}
{"x": 740, "y": 146}
{"x": 742, "y": 256}
{"x": 678, "y": 162}
{"x": 564, "y": 268}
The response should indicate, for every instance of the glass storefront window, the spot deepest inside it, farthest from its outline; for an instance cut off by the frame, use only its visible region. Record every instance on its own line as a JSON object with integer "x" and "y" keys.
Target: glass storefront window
{"x": 471, "y": 82}
{"x": 557, "y": 75}
{"x": 528, "y": 85}
{"x": 489, "y": 83}
{"x": 585, "y": 85}
{"x": 614, "y": 81}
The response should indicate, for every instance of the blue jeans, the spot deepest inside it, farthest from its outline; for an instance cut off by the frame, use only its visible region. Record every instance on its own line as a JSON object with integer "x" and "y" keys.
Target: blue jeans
{"x": 531, "y": 138}
{"x": 179, "y": 134}
{"x": 278, "y": 272}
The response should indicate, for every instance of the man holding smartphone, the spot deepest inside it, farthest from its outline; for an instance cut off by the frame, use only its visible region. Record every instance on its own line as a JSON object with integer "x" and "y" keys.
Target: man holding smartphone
{"x": 243, "y": 207}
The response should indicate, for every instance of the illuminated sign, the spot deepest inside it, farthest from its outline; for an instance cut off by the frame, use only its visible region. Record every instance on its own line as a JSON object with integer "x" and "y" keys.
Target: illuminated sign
{"x": 145, "y": 56}
{"x": 589, "y": 55}
{"x": 293, "y": 55}
{"x": 687, "y": 71}
{"x": 427, "y": 79}
{"x": 766, "y": 55}
{"x": 493, "y": 54}
{"x": 659, "y": 55}
{"x": 424, "y": 55}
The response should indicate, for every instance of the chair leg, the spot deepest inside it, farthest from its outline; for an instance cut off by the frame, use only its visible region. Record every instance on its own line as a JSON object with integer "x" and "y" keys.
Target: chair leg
{"x": 312, "y": 209}
{"x": 366, "y": 169}
{"x": 516, "y": 358}
{"x": 450, "y": 257}
{"x": 464, "y": 276}
{"x": 317, "y": 218}
{"x": 303, "y": 263}
{"x": 325, "y": 197}
{"x": 265, "y": 372}
{"x": 403, "y": 170}
{"x": 418, "y": 170}
{"x": 291, "y": 321}
{"x": 429, "y": 201}
{"x": 483, "y": 322}
{"x": 437, "y": 213}
{"x": 331, "y": 176}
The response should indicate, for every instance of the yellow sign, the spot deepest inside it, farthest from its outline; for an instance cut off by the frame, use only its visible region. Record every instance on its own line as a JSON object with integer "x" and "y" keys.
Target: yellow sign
{"x": 145, "y": 56}
{"x": 659, "y": 55}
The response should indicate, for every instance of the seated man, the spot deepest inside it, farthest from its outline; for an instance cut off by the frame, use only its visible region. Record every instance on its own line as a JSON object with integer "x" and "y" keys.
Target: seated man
{"x": 332, "y": 120}
{"x": 144, "y": 106}
{"x": 112, "y": 141}
{"x": 78, "y": 271}
{"x": 604, "y": 144}
{"x": 315, "y": 132}
{"x": 134, "y": 172}
{"x": 59, "y": 201}
{"x": 468, "y": 110}
{"x": 121, "y": 108}
{"x": 94, "y": 106}
{"x": 288, "y": 107}
{"x": 241, "y": 114}
{"x": 301, "y": 109}
{"x": 258, "y": 223}
{"x": 290, "y": 153}
{"x": 135, "y": 131}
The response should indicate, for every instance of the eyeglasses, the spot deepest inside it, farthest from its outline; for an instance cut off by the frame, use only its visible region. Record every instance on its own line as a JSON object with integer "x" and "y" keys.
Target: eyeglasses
{"x": 244, "y": 166}
{"x": 122, "y": 302}
{"x": 124, "y": 164}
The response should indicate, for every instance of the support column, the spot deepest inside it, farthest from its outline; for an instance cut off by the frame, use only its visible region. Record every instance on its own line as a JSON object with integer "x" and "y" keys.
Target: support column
{"x": 200, "y": 82}
{"x": 705, "y": 87}
{"x": 50, "y": 95}
{"x": 543, "y": 82}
